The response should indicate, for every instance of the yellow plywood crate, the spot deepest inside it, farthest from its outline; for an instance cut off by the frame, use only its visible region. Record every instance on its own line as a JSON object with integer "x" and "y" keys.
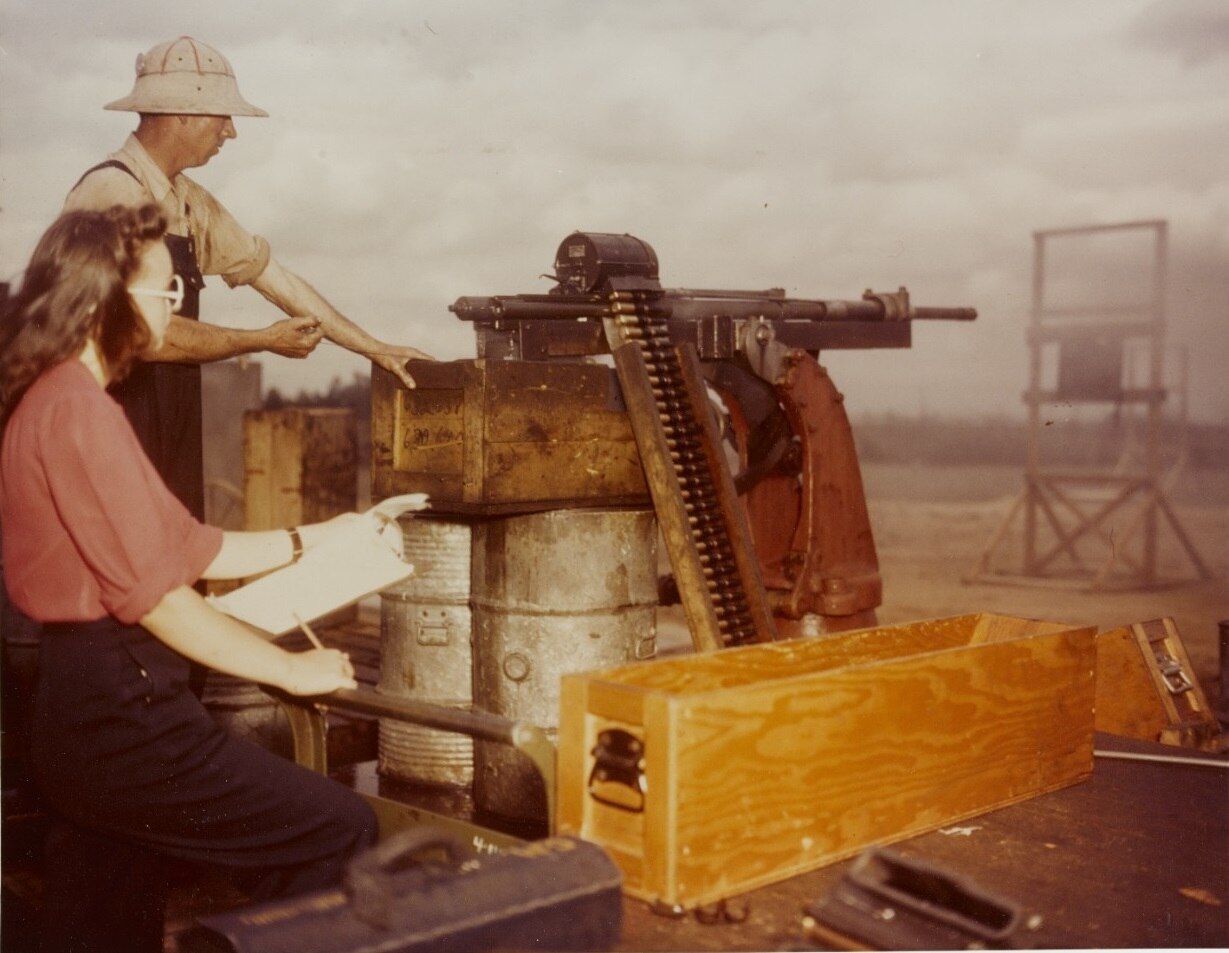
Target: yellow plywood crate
{"x": 708, "y": 775}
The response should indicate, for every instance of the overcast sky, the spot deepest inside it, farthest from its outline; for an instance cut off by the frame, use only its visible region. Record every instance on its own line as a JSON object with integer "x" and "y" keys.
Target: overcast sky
{"x": 421, "y": 151}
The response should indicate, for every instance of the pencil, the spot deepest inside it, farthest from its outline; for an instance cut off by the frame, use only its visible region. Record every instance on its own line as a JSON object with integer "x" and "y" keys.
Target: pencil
{"x": 307, "y": 630}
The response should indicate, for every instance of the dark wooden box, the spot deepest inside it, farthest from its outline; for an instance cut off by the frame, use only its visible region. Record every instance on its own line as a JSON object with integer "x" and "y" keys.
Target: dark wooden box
{"x": 491, "y": 437}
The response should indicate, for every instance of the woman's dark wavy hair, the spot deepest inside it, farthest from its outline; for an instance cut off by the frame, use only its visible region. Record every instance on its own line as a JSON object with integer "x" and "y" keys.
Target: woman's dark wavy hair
{"x": 74, "y": 289}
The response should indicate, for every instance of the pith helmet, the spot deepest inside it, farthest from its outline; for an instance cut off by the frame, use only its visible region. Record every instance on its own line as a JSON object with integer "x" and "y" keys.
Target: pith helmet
{"x": 185, "y": 77}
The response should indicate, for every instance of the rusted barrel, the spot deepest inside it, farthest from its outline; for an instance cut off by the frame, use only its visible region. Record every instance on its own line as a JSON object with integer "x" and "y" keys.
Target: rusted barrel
{"x": 554, "y": 592}
{"x": 243, "y": 709}
{"x": 425, "y": 652}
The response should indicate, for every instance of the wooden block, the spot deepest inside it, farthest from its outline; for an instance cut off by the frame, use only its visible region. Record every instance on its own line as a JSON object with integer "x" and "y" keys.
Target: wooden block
{"x": 1146, "y": 687}
{"x": 300, "y": 466}
{"x": 762, "y": 762}
{"x": 492, "y": 437}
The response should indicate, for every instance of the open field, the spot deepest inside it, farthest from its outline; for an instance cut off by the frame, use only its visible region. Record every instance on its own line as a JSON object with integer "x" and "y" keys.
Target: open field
{"x": 932, "y": 524}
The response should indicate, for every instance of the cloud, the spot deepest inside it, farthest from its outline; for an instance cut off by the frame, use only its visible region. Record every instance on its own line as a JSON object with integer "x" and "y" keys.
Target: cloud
{"x": 1129, "y": 146}
{"x": 1197, "y": 31}
{"x": 421, "y": 151}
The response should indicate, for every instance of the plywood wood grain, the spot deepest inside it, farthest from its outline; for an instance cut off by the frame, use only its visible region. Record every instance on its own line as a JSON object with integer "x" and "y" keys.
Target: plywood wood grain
{"x": 765, "y": 761}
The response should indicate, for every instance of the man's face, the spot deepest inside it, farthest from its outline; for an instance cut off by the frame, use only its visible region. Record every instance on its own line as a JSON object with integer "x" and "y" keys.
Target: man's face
{"x": 204, "y": 135}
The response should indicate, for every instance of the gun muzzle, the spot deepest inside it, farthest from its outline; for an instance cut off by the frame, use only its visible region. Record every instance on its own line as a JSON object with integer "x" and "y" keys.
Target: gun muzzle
{"x": 944, "y": 314}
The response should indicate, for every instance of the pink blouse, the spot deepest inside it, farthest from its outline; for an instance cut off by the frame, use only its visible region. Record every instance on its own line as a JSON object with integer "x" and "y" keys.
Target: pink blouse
{"x": 89, "y": 529}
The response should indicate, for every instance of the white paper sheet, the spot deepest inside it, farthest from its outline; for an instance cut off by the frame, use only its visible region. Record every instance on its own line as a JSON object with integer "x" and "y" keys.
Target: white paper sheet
{"x": 365, "y": 559}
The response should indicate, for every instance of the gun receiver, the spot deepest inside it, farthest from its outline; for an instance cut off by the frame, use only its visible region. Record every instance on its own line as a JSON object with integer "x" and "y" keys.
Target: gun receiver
{"x": 796, "y": 504}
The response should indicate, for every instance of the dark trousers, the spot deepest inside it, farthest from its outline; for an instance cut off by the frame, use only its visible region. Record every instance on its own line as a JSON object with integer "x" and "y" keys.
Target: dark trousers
{"x": 136, "y": 772}
{"x": 102, "y": 894}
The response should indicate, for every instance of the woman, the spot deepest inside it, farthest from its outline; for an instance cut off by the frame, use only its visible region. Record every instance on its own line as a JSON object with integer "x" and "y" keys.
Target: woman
{"x": 98, "y": 550}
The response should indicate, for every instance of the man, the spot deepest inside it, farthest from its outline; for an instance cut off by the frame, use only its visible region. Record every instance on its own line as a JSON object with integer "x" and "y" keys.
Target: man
{"x": 186, "y": 95}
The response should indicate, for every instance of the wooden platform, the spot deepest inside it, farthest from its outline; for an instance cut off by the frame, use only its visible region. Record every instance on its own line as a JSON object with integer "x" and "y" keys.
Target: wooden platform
{"x": 1136, "y": 856}
{"x": 1133, "y": 857}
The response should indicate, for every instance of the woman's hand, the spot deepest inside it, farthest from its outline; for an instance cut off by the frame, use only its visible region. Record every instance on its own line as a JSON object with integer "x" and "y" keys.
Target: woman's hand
{"x": 314, "y": 534}
{"x": 189, "y": 625}
{"x": 318, "y": 672}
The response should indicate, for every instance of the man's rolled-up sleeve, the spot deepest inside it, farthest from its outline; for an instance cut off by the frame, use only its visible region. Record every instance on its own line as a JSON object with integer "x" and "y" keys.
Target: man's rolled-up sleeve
{"x": 226, "y": 248}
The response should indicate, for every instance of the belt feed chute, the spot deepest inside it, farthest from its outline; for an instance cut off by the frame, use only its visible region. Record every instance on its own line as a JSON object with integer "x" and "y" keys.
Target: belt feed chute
{"x": 697, "y": 507}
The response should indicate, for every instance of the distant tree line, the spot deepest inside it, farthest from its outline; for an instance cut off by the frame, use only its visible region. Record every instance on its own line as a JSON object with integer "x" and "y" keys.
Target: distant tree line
{"x": 355, "y": 396}
{"x": 1080, "y": 442}
{"x": 899, "y": 438}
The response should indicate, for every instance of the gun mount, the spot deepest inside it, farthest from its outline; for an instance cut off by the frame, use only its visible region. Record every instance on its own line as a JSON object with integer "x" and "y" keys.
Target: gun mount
{"x": 779, "y": 542}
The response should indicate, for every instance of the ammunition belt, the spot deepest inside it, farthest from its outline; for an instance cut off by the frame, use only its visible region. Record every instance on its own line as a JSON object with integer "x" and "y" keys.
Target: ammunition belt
{"x": 702, "y": 539}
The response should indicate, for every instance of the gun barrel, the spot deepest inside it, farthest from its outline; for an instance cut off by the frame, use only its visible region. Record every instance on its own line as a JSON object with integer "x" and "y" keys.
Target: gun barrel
{"x": 689, "y": 304}
{"x": 529, "y": 308}
{"x": 944, "y": 314}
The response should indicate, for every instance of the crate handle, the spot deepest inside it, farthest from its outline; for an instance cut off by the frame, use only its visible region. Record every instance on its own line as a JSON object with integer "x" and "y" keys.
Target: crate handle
{"x": 618, "y": 761}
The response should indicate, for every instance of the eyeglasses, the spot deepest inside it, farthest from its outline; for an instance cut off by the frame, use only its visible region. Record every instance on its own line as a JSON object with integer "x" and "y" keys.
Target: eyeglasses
{"x": 175, "y": 294}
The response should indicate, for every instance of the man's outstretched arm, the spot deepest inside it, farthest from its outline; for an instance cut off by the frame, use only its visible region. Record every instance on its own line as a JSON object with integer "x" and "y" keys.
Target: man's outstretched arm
{"x": 195, "y": 342}
{"x": 295, "y": 296}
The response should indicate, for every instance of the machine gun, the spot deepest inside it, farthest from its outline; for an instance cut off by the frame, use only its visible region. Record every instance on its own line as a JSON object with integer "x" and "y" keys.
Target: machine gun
{"x": 787, "y": 537}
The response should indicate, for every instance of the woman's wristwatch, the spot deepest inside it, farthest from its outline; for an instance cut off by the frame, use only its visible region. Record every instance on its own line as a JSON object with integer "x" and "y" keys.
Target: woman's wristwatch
{"x": 296, "y": 544}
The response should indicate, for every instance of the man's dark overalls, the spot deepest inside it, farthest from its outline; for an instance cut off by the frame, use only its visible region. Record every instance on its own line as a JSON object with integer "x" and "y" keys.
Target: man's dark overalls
{"x": 162, "y": 400}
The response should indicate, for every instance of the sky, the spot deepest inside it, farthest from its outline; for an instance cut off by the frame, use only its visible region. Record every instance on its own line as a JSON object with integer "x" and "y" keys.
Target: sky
{"x": 421, "y": 150}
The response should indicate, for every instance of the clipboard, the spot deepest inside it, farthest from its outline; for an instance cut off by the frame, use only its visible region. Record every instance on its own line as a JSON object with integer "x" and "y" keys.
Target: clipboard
{"x": 351, "y": 565}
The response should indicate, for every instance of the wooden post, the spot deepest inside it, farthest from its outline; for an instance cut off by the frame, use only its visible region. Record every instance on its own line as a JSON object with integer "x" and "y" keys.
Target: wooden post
{"x": 300, "y": 466}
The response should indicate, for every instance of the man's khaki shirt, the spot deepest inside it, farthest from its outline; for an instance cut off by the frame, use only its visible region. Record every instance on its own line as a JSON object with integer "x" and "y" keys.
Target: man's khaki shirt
{"x": 223, "y": 246}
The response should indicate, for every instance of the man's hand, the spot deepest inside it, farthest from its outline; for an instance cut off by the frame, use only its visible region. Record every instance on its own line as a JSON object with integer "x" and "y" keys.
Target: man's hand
{"x": 392, "y": 358}
{"x": 295, "y": 296}
{"x": 293, "y": 337}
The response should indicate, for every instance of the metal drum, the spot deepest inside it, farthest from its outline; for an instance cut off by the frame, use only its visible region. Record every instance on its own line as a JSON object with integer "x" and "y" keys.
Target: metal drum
{"x": 425, "y": 652}
{"x": 555, "y": 592}
{"x": 245, "y": 710}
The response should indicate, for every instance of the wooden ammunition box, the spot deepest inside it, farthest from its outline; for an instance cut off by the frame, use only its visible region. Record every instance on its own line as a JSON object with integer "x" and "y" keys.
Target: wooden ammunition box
{"x": 1146, "y": 687}
{"x": 492, "y": 437}
{"x": 708, "y": 775}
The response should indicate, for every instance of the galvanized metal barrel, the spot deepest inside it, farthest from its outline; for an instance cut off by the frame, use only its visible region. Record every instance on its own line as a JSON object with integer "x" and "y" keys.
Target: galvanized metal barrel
{"x": 425, "y": 652}
{"x": 554, "y": 592}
